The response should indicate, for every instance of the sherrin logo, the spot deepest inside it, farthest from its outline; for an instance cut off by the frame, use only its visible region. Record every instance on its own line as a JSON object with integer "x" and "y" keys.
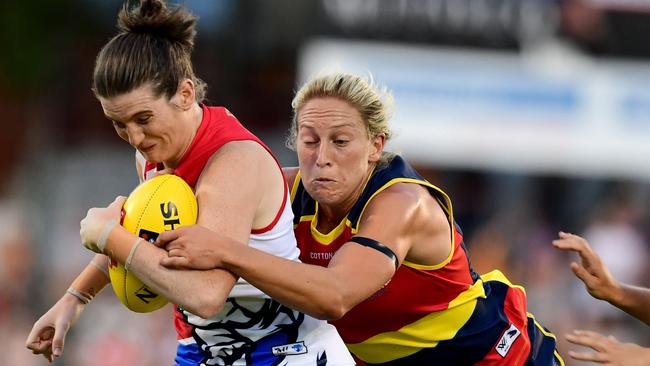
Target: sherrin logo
{"x": 170, "y": 212}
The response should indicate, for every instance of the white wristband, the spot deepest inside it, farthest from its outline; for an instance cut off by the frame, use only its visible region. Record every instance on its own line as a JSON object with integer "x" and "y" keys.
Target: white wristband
{"x": 106, "y": 231}
{"x": 83, "y": 298}
{"x": 127, "y": 263}
{"x": 101, "y": 268}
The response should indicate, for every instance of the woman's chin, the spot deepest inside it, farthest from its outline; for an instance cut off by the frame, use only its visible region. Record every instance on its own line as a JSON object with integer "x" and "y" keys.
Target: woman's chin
{"x": 152, "y": 157}
{"x": 325, "y": 198}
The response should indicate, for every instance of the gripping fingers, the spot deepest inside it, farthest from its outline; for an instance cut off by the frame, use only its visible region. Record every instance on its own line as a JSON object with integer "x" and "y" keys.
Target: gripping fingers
{"x": 166, "y": 239}
{"x": 42, "y": 347}
{"x": 174, "y": 262}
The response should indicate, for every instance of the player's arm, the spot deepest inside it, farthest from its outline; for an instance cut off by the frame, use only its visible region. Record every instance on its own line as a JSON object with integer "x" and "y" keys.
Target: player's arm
{"x": 599, "y": 281}
{"x": 47, "y": 336}
{"x": 95, "y": 277}
{"x": 634, "y": 300}
{"x": 403, "y": 218}
{"x": 48, "y": 333}
{"x": 229, "y": 192}
{"x": 355, "y": 272}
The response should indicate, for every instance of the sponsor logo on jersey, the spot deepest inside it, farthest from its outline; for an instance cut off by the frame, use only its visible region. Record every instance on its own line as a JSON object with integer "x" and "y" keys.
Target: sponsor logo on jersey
{"x": 319, "y": 255}
{"x": 290, "y": 349}
{"x": 507, "y": 339}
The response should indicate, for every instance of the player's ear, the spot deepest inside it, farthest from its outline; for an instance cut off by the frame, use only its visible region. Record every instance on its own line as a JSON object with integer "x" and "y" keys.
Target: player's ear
{"x": 185, "y": 95}
{"x": 376, "y": 147}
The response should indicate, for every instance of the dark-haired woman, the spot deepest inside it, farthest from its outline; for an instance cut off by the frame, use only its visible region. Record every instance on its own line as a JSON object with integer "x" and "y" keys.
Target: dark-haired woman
{"x": 145, "y": 83}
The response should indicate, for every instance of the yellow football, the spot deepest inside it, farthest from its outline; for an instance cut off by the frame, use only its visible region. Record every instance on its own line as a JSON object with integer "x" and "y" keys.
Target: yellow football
{"x": 161, "y": 203}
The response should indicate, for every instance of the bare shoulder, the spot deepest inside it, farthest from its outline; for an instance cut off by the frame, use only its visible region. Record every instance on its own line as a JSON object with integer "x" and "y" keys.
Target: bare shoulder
{"x": 233, "y": 172}
{"x": 419, "y": 207}
{"x": 403, "y": 196}
{"x": 407, "y": 215}
{"x": 235, "y": 157}
{"x": 404, "y": 207}
{"x": 243, "y": 179}
{"x": 237, "y": 151}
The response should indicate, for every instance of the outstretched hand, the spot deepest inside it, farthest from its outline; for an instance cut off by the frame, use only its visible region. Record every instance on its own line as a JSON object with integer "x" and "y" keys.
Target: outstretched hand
{"x": 47, "y": 336}
{"x": 192, "y": 247}
{"x": 608, "y": 350}
{"x": 591, "y": 270}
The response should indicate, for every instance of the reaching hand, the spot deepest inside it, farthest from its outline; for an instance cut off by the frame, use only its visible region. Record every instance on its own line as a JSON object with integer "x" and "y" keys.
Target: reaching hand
{"x": 591, "y": 270}
{"x": 48, "y": 333}
{"x": 608, "y": 350}
{"x": 192, "y": 247}
{"x": 97, "y": 224}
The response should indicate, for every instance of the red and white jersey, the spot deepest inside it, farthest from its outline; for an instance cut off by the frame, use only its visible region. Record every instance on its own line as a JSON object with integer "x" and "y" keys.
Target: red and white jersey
{"x": 252, "y": 328}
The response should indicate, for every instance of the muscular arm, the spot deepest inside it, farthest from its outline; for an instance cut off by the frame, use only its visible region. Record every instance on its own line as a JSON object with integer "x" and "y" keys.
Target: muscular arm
{"x": 229, "y": 193}
{"x": 354, "y": 273}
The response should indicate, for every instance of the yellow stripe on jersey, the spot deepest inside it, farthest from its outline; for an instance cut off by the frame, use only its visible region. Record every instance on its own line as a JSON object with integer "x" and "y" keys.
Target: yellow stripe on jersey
{"x": 541, "y": 328}
{"x": 558, "y": 357}
{"x": 326, "y": 239}
{"x": 306, "y": 218}
{"x": 547, "y": 334}
{"x": 423, "y": 333}
{"x": 497, "y": 275}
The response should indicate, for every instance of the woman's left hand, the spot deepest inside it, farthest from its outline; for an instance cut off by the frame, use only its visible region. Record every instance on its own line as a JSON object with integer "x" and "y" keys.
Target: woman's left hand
{"x": 98, "y": 223}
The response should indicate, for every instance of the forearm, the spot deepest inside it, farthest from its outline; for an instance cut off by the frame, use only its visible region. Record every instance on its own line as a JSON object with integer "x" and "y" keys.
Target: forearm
{"x": 314, "y": 290}
{"x": 634, "y": 301}
{"x": 201, "y": 292}
{"x": 93, "y": 278}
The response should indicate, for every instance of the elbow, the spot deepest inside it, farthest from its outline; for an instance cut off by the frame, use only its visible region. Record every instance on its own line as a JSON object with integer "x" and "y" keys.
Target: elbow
{"x": 332, "y": 314}
{"x": 333, "y": 309}
{"x": 207, "y": 311}
{"x": 206, "y": 306}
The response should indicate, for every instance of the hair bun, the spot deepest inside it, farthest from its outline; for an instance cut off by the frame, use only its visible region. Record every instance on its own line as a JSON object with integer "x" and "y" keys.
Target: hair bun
{"x": 155, "y": 18}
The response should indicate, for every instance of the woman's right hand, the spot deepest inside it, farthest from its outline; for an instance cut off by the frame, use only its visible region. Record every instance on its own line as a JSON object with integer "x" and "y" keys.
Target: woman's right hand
{"x": 48, "y": 333}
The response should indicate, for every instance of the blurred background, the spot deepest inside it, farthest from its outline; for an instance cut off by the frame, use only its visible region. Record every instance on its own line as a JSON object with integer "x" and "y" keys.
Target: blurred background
{"x": 534, "y": 115}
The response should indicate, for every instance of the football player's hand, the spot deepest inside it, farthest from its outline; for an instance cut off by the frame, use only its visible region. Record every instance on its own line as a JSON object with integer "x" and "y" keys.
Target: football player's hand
{"x": 608, "y": 350}
{"x": 98, "y": 223}
{"x": 591, "y": 270}
{"x": 47, "y": 336}
{"x": 192, "y": 247}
